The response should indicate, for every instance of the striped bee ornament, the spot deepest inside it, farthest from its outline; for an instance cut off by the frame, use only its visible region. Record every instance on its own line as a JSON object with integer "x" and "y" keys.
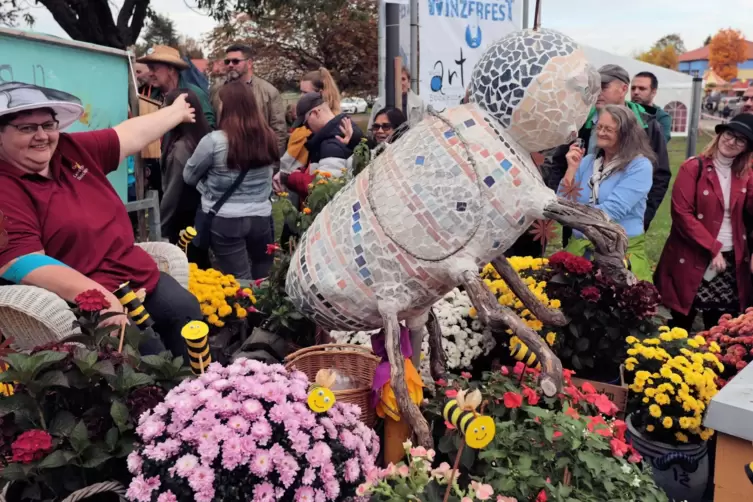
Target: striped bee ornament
{"x": 185, "y": 237}
{"x": 196, "y": 336}
{"x": 522, "y": 353}
{"x": 478, "y": 430}
{"x": 136, "y": 310}
{"x": 749, "y": 471}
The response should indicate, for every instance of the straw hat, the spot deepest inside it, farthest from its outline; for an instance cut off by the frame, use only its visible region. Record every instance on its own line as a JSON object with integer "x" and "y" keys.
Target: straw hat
{"x": 165, "y": 55}
{"x": 18, "y": 97}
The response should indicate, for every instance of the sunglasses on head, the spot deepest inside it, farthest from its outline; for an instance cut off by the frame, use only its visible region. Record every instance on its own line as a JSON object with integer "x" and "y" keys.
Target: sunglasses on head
{"x": 234, "y": 61}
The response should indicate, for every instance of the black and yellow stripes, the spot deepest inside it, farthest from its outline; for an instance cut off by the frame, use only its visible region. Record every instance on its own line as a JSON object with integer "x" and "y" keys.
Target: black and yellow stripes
{"x": 136, "y": 310}
{"x": 185, "y": 237}
{"x": 522, "y": 353}
{"x": 456, "y": 416}
{"x": 749, "y": 471}
{"x": 196, "y": 336}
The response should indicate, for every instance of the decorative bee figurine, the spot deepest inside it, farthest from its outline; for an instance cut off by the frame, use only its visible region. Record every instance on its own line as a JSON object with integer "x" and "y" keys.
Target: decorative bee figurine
{"x": 522, "y": 353}
{"x": 749, "y": 471}
{"x": 185, "y": 237}
{"x": 321, "y": 398}
{"x": 478, "y": 430}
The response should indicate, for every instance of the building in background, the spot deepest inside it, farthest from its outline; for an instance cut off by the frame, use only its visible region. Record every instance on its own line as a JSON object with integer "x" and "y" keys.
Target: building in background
{"x": 696, "y": 62}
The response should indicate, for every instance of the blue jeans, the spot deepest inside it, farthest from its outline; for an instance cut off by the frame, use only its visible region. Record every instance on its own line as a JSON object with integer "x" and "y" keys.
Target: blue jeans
{"x": 240, "y": 246}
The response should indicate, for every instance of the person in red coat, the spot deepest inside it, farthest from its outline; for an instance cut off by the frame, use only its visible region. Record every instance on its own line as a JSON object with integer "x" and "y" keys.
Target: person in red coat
{"x": 705, "y": 265}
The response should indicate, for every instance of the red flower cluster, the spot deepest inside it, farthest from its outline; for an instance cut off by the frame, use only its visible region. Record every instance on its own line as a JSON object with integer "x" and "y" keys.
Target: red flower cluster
{"x": 590, "y": 294}
{"x": 641, "y": 299}
{"x": 512, "y": 400}
{"x": 574, "y": 264}
{"x": 31, "y": 445}
{"x": 735, "y": 339}
{"x": 92, "y": 300}
{"x": 273, "y": 248}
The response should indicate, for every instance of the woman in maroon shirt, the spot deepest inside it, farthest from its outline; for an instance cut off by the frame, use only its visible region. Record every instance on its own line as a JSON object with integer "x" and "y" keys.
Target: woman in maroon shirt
{"x": 59, "y": 203}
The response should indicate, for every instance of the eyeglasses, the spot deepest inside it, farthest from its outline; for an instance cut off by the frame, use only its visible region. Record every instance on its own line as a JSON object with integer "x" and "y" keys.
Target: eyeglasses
{"x": 605, "y": 129}
{"x": 746, "y": 98}
{"x": 50, "y": 126}
{"x": 234, "y": 61}
{"x": 731, "y": 137}
{"x": 383, "y": 127}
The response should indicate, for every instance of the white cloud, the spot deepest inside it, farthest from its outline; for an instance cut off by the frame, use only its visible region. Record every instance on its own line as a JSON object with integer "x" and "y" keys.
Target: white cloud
{"x": 619, "y": 27}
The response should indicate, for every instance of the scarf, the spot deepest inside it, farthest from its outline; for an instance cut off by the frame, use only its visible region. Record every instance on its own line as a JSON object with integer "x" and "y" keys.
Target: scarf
{"x": 601, "y": 172}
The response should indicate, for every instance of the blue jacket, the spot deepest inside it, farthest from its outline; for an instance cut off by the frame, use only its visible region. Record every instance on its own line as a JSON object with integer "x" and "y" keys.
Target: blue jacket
{"x": 622, "y": 195}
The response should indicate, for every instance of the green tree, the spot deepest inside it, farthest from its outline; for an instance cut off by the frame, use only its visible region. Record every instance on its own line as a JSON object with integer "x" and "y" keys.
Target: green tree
{"x": 161, "y": 31}
{"x": 671, "y": 40}
{"x": 707, "y": 41}
{"x": 12, "y": 11}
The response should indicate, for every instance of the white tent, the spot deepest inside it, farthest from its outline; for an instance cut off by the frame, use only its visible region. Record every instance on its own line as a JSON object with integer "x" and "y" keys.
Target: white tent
{"x": 675, "y": 93}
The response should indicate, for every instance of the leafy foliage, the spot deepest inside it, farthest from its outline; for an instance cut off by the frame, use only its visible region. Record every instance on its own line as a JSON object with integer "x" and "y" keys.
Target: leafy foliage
{"x": 13, "y": 11}
{"x": 87, "y": 398}
{"x": 727, "y": 49}
{"x": 291, "y": 38}
{"x": 161, "y": 31}
{"x": 557, "y": 449}
{"x": 666, "y": 57}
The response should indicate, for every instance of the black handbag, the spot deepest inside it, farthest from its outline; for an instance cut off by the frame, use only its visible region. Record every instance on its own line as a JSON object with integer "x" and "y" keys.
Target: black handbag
{"x": 204, "y": 220}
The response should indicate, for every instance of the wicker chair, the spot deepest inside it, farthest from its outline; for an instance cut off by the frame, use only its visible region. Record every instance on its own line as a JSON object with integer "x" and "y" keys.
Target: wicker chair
{"x": 34, "y": 316}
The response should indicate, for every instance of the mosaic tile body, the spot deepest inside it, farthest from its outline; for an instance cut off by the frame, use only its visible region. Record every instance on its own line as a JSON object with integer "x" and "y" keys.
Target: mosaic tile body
{"x": 451, "y": 195}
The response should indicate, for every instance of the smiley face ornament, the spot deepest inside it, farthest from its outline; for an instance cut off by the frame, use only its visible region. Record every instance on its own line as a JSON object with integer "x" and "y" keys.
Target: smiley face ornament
{"x": 478, "y": 430}
{"x": 321, "y": 398}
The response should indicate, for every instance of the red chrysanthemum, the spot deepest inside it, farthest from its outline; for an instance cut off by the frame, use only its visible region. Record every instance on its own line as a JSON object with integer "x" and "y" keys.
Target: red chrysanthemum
{"x": 578, "y": 265}
{"x": 590, "y": 294}
{"x": 92, "y": 300}
{"x": 559, "y": 258}
{"x": 31, "y": 445}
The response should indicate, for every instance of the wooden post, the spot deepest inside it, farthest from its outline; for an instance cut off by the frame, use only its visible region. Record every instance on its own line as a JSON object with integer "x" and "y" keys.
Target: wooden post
{"x": 395, "y": 434}
{"x": 133, "y": 102}
{"x": 399, "y": 83}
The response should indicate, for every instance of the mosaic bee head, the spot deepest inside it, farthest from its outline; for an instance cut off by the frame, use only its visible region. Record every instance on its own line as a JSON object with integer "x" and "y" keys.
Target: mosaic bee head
{"x": 537, "y": 85}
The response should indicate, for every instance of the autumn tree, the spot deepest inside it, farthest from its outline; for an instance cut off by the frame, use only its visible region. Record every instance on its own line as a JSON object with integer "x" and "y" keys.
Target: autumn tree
{"x": 726, "y": 50}
{"x": 665, "y": 57}
{"x": 291, "y": 39}
{"x": 671, "y": 40}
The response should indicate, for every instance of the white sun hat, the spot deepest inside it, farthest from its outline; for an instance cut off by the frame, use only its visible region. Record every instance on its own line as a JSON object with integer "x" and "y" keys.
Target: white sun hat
{"x": 18, "y": 97}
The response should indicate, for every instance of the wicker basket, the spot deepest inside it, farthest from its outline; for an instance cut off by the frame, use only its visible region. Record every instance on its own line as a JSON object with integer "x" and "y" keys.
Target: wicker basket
{"x": 355, "y": 361}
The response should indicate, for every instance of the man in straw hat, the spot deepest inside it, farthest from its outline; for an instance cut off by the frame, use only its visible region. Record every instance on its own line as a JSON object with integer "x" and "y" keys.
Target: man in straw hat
{"x": 165, "y": 65}
{"x": 68, "y": 231}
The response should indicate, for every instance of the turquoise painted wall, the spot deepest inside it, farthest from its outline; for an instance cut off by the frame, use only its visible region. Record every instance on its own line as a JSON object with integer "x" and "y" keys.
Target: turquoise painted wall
{"x": 98, "y": 79}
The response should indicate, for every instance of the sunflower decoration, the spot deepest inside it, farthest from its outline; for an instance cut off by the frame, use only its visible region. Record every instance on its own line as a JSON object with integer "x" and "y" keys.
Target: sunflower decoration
{"x": 543, "y": 232}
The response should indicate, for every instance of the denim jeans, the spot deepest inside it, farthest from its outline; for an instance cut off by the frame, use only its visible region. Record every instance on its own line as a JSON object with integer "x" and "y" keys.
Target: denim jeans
{"x": 171, "y": 306}
{"x": 240, "y": 246}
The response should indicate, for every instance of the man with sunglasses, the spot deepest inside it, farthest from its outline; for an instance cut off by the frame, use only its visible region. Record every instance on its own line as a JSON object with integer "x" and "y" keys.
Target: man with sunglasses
{"x": 615, "y": 83}
{"x": 239, "y": 65}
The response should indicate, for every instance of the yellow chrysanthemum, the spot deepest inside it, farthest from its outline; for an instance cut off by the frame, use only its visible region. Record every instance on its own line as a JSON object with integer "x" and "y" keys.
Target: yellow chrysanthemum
{"x": 551, "y": 337}
{"x": 681, "y": 437}
{"x": 224, "y": 311}
{"x": 667, "y": 422}
{"x": 654, "y": 410}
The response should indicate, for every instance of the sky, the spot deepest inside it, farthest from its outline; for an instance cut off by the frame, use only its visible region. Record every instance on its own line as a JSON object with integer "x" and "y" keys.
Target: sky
{"x": 625, "y": 28}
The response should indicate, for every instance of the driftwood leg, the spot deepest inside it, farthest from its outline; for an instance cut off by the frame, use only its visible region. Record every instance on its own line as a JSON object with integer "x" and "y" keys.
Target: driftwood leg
{"x": 609, "y": 239}
{"x": 501, "y": 318}
{"x": 521, "y": 290}
{"x": 408, "y": 410}
{"x": 417, "y": 328}
{"x": 437, "y": 357}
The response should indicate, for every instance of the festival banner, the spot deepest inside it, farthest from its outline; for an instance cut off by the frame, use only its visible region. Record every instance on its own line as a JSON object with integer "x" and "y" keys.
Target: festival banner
{"x": 453, "y": 35}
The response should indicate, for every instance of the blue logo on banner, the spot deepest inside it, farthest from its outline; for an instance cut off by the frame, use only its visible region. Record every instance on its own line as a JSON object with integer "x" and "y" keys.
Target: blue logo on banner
{"x": 473, "y": 39}
{"x": 479, "y": 9}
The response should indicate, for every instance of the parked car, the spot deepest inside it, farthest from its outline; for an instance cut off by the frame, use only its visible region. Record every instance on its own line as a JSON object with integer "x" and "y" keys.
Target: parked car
{"x": 354, "y": 105}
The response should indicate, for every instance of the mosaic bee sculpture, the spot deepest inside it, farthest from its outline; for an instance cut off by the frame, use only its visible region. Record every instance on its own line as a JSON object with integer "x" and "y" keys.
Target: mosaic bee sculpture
{"x": 452, "y": 194}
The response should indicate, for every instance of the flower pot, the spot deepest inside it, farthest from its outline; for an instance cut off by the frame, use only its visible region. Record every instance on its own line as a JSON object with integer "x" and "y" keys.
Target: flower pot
{"x": 227, "y": 340}
{"x": 682, "y": 471}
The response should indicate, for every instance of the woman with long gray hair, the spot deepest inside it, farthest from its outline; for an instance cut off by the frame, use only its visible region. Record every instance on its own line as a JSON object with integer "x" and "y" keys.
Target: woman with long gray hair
{"x": 616, "y": 178}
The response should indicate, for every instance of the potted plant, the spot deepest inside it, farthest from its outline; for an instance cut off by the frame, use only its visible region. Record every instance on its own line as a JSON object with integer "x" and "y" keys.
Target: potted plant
{"x": 548, "y": 449}
{"x": 601, "y": 313}
{"x": 673, "y": 382}
{"x": 69, "y": 424}
{"x": 415, "y": 479}
{"x": 245, "y": 432}
{"x": 732, "y": 340}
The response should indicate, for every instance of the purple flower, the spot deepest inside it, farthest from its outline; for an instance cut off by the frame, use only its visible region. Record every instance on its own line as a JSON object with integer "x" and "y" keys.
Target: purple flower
{"x": 150, "y": 429}
{"x": 232, "y": 453}
{"x": 317, "y": 432}
{"x": 134, "y": 463}
{"x": 332, "y": 489}
{"x": 349, "y": 440}
{"x": 319, "y": 496}
{"x": 265, "y": 492}
{"x": 300, "y": 441}
{"x": 261, "y": 464}
{"x": 261, "y": 431}
{"x": 329, "y": 426}
{"x": 208, "y": 450}
{"x": 281, "y": 412}
{"x": 352, "y": 470}
{"x": 185, "y": 465}
{"x": 201, "y": 479}
{"x": 273, "y": 392}
{"x": 167, "y": 496}
{"x": 238, "y": 424}
{"x": 308, "y": 476}
{"x": 252, "y": 409}
{"x": 320, "y": 454}
{"x": 141, "y": 489}
{"x": 287, "y": 467}
{"x": 304, "y": 494}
